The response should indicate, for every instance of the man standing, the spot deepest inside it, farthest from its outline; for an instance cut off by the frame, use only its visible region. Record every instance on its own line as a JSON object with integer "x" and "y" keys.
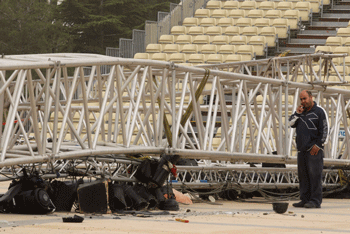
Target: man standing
{"x": 311, "y": 123}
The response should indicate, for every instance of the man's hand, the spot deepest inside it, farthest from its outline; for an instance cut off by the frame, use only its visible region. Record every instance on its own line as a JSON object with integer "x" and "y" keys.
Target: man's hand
{"x": 300, "y": 109}
{"x": 314, "y": 150}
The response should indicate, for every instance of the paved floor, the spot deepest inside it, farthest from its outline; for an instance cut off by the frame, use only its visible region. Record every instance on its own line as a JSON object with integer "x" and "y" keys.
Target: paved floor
{"x": 252, "y": 216}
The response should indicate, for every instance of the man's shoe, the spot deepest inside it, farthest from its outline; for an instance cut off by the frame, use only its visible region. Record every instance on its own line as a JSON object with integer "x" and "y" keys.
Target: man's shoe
{"x": 299, "y": 204}
{"x": 311, "y": 205}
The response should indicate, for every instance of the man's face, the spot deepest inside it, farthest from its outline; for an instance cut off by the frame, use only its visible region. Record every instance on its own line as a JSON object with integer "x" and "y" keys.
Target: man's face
{"x": 305, "y": 100}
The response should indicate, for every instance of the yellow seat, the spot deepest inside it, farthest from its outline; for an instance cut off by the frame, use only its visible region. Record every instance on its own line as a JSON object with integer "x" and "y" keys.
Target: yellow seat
{"x": 214, "y": 5}
{"x": 334, "y": 42}
{"x": 224, "y": 23}
{"x": 236, "y": 14}
{"x": 160, "y": 57}
{"x": 247, "y": 52}
{"x": 190, "y": 21}
{"x": 262, "y": 22}
{"x": 342, "y": 50}
{"x": 196, "y": 30}
{"x": 177, "y": 58}
{"x": 201, "y": 40}
{"x": 244, "y": 22}
{"x": 233, "y": 58}
{"x": 347, "y": 41}
{"x": 184, "y": 39}
{"x": 219, "y": 13}
{"x": 255, "y": 14}
{"x": 266, "y": 5}
{"x": 141, "y": 56}
{"x": 284, "y": 6}
{"x": 154, "y": 48}
{"x": 207, "y": 22}
{"x": 249, "y": 32}
{"x": 281, "y": 26}
{"x": 189, "y": 49}
{"x": 202, "y": 13}
{"x": 304, "y": 10}
{"x": 343, "y": 32}
{"x": 293, "y": 18}
{"x": 226, "y": 50}
{"x": 238, "y": 40}
{"x": 315, "y": 5}
{"x": 260, "y": 45}
{"x": 230, "y": 5}
{"x": 273, "y": 14}
{"x": 171, "y": 48}
{"x": 213, "y": 31}
{"x": 232, "y": 31}
{"x": 220, "y": 40}
{"x": 215, "y": 59}
{"x": 196, "y": 59}
{"x": 248, "y": 5}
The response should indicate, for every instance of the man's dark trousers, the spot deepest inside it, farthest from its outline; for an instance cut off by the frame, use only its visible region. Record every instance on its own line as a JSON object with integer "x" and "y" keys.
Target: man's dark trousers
{"x": 310, "y": 176}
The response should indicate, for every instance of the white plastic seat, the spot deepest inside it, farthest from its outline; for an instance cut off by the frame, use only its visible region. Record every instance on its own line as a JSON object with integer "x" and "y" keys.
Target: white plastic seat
{"x": 304, "y": 10}
{"x": 238, "y": 40}
{"x": 215, "y": 59}
{"x": 293, "y": 18}
{"x": 213, "y": 31}
{"x": 207, "y": 22}
{"x": 154, "y": 48}
{"x": 284, "y": 6}
{"x": 141, "y": 56}
{"x": 202, "y": 13}
{"x": 233, "y": 58}
{"x": 343, "y": 32}
{"x": 160, "y": 57}
{"x": 273, "y": 14}
{"x": 214, "y": 5}
{"x": 236, "y": 14}
{"x": 219, "y": 13}
{"x": 230, "y": 5}
{"x": 249, "y": 32}
{"x": 260, "y": 45}
{"x": 246, "y": 51}
{"x": 220, "y": 40}
{"x": 262, "y": 22}
{"x": 232, "y": 31}
{"x": 196, "y": 30}
{"x": 281, "y": 26}
{"x": 171, "y": 48}
{"x": 177, "y": 58}
{"x": 247, "y": 6}
{"x": 270, "y": 35}
{"x": 190, "y": 21}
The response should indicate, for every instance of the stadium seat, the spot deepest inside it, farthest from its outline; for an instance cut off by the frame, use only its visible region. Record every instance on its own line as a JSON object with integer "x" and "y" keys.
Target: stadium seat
{"x": 178, "y": 30}
{"x": 270, "y": 35}
{"x": 208, "y": 49}
{"x": 304, "y": 10}
{"x": 189, "y": 49}
{"x": 293, "y": 18}
{"x": 214, "y": 5}
{"x": 190, "y": 21}
{"x": 213, "y": 31}
{"x": 236, "y": 14}
{"x": 177, "y": 58}
{"x": 207, "y": 22}
{"x": 323, "y": 49}
{"x": 201, "y": 40}
{"x": 262, "y": 22}
{"x": 215, "y": 59}
{"x": 260, "y": 45}
{"x": 273, "y": 14}
{"x": 196, "y": 59}
{"x": 343, "y": 32}
{"x": 255, "y": 14}
{"x": 247, "y": 6}
{"x": 342, "y": 50}
{"x": 166, "y": 39}
{"x": 141, "y": 56}
{"x": 183, "y": 39}
{"x": 225, "y": 22}
{"x": 154, "y": 48}
{"x": 230, "y": 5}
{"x": 294, "y": 2}
{"x": 347, "y": 41}
{"x": 202, "y": 13}
{"x": 246, "y": 51}
{"x": 232, "y": 31}
{"x": 315, "y": 5}
{"x": 220, "y": 40}
{"x": 238, "y": 40}
{"x": 346, "y": 61}
{"x": 196, "y": 30}
{"x": 284, "y": 6}
{"x": 266, "y": 5}
{"x": 219, "y": 13}
{"x": 249, "y": 32}
{"x": 281, "y": 26}
{"x": 226, "y": 50}
{"x": 334, "y": 42}
{"x": 171, "y": 48}
{"x": 233, "y": 58}
{"x": 160, "y": 57}
{"x": 244, "y": 22}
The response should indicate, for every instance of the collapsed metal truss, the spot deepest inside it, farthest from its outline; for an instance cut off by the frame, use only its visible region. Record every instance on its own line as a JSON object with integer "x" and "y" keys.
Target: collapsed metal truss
{"x": 59, "y": 108}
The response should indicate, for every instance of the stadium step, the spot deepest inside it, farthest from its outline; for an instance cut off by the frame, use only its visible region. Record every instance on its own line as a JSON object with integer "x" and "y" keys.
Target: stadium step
{"x": 316, "y": 34}
{"x": 332, "y": 17}
{"x": 327, "y": 25}
{"x": 305, "y": 43}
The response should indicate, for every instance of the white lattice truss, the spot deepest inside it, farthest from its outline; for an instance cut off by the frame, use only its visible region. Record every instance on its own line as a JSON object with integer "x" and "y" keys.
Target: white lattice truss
{"x": 58, "y": 108}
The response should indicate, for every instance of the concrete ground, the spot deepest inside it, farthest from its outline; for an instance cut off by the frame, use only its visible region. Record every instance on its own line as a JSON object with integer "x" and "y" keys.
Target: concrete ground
{"x": 251, "y": 216}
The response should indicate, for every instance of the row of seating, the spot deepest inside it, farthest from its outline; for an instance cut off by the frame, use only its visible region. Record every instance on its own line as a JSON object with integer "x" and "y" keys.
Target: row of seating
{"x": 305, "y": 9}
{"x": 337, "y": 41}
{"x": 291, "y": 19}
{"x": 234, "y": 4}
{"x": 226, "y": 53}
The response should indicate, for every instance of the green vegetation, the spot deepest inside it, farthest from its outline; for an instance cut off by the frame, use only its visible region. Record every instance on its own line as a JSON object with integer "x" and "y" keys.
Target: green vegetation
{"x": 80, "y": 26}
